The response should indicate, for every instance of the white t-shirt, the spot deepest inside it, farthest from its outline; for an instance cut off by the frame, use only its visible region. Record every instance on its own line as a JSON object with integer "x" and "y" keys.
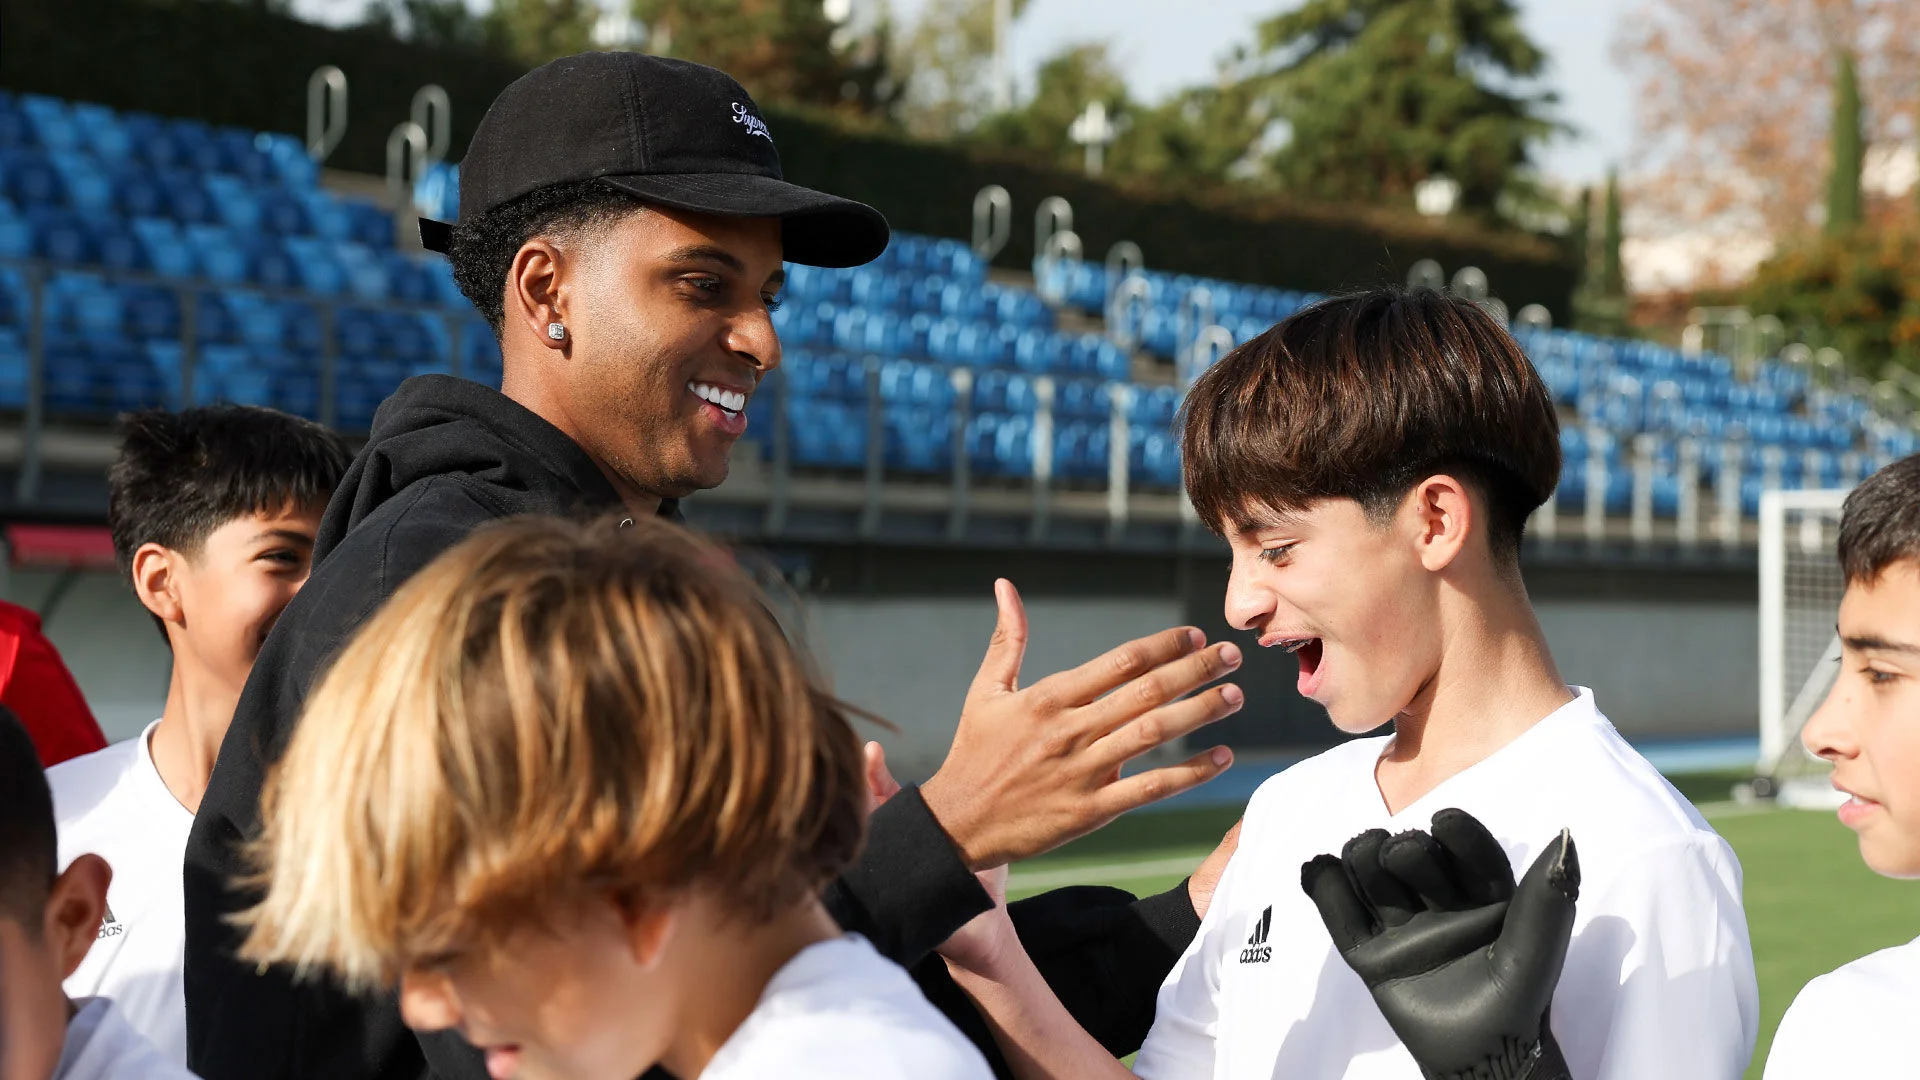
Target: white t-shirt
{"x": 1658, "y": 980}
{"x": 101, "y": 1046}
{"x": 841, "y": 1011}
{"x": 112, "y": 803}
{"x": 1854, "y": 1021}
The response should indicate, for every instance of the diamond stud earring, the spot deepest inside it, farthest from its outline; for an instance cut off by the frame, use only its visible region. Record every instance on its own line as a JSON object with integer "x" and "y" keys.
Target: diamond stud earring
{"x": 556, "y": 331}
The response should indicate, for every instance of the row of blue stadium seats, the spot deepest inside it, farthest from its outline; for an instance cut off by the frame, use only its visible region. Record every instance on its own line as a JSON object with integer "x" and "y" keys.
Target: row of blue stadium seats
{"x": 1570, "y": 384}
{"x": 834, "y": 434}
{"x": 1087, "y": 286}
{"x": 70, "y": 182}
{"x": 950, "y": 340}
{"x": 98, "y": 377}
{"x": 834, "y": 377}
{"x": 33, "y": 121}
{"x": 82, "y": 303}
{"x": 1618, "y": 492}
{"x": 876, "y": 291}
{"x": 1828, "y": 466}
{"x": 216, "y": 253}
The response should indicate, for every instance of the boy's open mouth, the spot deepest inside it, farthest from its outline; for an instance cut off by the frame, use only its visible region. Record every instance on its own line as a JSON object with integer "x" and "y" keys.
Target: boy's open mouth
{"x": 1309, "y": 651}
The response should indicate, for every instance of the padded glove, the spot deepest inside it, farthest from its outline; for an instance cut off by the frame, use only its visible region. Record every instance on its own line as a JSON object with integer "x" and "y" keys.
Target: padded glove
{"x": 1462, "y": 963}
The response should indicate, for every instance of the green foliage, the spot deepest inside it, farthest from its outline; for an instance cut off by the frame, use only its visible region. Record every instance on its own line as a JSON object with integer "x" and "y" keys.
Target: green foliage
{"x": 1613, "y": 278}
{"x": 1849, "y": 148}
{"x": 946, "y": 62}
{"x": 1377, "y": 95}
{"x": 1858, "y": 291}
{"x": 1066, "y": 83}
{"x": 780, "y": 50}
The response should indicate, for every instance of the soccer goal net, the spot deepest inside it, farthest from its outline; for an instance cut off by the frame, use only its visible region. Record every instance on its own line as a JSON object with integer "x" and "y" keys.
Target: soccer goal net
{"x": 1800, "y": 587}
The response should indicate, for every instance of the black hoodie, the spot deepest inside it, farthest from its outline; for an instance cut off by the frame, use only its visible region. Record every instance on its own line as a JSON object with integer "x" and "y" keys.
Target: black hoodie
{"x": 445, "y": 457}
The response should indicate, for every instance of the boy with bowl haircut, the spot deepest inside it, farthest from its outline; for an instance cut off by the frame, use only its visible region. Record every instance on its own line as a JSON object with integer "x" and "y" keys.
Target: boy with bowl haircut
{"x": 213, "y": 512}
{"x": 48, "y": 920}
{"x": 1857, "y": 1020}
{"x": 1371, "y": 462}
{"x": 572, "y": 788}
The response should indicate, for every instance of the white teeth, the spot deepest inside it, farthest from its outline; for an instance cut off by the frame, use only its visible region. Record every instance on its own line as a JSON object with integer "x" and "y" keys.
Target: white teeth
{"x": 1296, "y": 646}
{"x": 730, "y": 400}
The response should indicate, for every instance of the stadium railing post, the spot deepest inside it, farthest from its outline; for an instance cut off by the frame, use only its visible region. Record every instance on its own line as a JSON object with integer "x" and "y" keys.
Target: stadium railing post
{"x": 1688, "y": 524}
{"x": 876, "y": 450}
{"x": 1596, "y": 505}
{"x": 1042, "y": 458}
{"x": 962, "y": 467}
{"x": 1119, "y": 443}
{"x": 27, "y": 484}
{"x": 1642, "y": 488}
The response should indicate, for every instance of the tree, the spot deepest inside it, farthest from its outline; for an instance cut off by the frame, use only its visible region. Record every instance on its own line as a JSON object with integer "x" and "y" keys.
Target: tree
{"x": 1063, "y": 87}
{"x": 1732, "y": 109}
{"x": 1613, "y": 279}
{"x": 1859, "y": 293}
{"x": 536, "y": 31}
{"x": 1378, "y": 95}
{"x": 439, "y": 23}
{"x": 780, "y": 50}
{"x": 946, "y": 61}
{"x": 1849, "y": 154}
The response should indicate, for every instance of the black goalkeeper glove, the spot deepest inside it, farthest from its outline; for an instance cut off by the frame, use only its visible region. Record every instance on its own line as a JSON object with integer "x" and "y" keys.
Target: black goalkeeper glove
{"x": 1462, "y": 964}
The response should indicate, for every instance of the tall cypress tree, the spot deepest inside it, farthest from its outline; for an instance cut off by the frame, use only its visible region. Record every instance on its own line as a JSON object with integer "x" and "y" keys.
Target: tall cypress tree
{"x": 1849, "y": 149}
{"x": 1613, "y": 279}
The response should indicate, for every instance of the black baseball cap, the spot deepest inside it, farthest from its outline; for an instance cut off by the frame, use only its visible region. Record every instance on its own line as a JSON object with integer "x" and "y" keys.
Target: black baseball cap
{"x": 666, "y": 131}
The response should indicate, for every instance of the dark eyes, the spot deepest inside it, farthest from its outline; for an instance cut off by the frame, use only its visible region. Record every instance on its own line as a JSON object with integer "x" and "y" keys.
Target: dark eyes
{"x": 713, "y": 287}
{"x": 1274, "y": 555}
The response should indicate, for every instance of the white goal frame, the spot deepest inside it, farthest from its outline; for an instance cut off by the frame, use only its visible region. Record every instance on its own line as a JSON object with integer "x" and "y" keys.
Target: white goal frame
{"x": 1791, "y": 688}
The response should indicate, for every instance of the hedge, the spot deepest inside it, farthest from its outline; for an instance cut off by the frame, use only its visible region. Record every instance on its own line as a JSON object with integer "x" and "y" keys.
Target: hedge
{"x": 232, "y": 64}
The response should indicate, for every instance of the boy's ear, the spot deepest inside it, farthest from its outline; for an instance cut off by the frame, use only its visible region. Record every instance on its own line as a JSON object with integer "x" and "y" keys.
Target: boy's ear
{"x": 1446, "y": 517}
{"x": 75, "y": 909}
{"x": 648, "y": 928}
{"x": 155, "y": 574}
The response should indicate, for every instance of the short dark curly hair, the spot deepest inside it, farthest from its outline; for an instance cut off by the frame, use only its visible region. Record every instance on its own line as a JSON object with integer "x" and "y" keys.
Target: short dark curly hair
{"x": 482, "y": 249}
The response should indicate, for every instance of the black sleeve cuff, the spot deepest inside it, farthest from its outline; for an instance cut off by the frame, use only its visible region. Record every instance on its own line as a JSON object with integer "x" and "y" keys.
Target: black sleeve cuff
{"x": 909, "y": 890}
{"x": 1170, "y": 917}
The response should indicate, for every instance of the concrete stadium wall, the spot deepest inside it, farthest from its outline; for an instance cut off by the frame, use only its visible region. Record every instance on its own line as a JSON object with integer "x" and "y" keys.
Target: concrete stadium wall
{"x": 1679, "y": 667}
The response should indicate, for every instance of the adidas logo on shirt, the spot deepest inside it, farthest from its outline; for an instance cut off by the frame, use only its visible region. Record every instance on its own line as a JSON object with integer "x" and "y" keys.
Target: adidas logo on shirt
{"x": 110, "y": 926}
{"x": 1257, "y": 950}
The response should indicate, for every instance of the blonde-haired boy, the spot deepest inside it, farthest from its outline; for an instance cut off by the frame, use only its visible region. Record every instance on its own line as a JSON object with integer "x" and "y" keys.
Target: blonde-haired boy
{"x": 575, "y": 792}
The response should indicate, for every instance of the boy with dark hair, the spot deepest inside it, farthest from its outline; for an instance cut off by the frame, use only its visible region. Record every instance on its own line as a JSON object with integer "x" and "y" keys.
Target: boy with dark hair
{"x": 213, "y": 512}
{"x": 1371, "y": 462}
{"x": 1856, "y": 1020}
{"x": 48, "y": 920}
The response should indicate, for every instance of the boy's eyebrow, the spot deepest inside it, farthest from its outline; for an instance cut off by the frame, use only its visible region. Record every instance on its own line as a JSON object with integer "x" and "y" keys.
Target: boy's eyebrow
{"x": 291, "y": 536}
{"x": 1875, "y": 643}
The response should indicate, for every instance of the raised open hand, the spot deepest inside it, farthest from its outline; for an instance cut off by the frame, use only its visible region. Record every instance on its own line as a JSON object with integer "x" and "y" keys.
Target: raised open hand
{"x": 1462, "y": 963}
{"x": 1034, "y": 767}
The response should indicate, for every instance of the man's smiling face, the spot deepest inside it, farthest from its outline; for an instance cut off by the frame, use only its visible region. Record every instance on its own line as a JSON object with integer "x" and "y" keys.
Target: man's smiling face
{"x": 670, "y": 320}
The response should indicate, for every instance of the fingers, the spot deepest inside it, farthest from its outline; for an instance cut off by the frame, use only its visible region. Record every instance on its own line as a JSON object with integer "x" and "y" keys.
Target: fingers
{"x": 1168, "y": 723}
{"x": 1142, "y": 789}
{"x": 1349, "y": 923}
{"x": 1533, "y": 945}
{"x": 1169, "y": 682}
{"x": 1479, "y": 862}
{"x": 1392, "y": 903}
{"x": 1105, "y": 673}
{"x": 1000, "y": 669}
{"x": 1422, "y": 865}
{"x": 881, "y": 785}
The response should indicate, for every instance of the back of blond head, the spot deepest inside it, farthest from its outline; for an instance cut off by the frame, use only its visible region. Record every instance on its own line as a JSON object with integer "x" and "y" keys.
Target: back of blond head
{"x": 550, "y": 707}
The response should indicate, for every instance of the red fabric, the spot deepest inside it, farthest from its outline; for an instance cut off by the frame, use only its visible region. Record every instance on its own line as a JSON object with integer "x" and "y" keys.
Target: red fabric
{"x": 36, "y": 685}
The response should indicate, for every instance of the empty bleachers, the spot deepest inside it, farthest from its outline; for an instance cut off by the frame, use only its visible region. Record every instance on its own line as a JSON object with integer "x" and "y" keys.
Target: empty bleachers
{"x": 150, "y": 261}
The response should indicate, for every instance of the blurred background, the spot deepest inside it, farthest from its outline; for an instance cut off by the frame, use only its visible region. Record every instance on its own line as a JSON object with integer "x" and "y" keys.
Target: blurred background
{"x": 1700, "y": 218}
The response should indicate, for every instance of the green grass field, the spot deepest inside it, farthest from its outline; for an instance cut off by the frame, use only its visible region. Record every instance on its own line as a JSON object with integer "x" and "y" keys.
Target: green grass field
{"x": 1812, "y": 905}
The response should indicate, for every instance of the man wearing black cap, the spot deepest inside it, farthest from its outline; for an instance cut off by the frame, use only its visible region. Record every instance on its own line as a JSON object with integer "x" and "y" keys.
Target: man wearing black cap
{"x": 623, "y": 227}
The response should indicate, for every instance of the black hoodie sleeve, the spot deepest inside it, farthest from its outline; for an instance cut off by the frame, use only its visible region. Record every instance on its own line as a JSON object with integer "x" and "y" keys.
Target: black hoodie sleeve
{"x": 1103, "y": 952}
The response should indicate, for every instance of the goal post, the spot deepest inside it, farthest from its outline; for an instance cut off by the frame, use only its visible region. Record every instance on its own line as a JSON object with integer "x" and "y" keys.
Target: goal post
{"x": 1800, "y": 588}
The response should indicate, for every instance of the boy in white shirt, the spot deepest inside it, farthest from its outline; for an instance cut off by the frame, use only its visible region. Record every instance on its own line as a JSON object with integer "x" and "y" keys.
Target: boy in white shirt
{"x": 213, "y": 513}
{"x": 572, "y": 788}
{"x": 48, "y": 920}
{"x": 1372, "y": 461}
{"x": 1858, "y": 1020}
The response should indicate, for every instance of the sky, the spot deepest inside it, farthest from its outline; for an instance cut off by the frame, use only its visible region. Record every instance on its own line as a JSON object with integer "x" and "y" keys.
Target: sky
{"x": 1165, "y": 44}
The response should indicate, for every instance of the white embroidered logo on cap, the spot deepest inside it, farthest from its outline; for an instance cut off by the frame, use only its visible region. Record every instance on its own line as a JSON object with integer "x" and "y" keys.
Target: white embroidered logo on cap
{"x": 755, "y": 125}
